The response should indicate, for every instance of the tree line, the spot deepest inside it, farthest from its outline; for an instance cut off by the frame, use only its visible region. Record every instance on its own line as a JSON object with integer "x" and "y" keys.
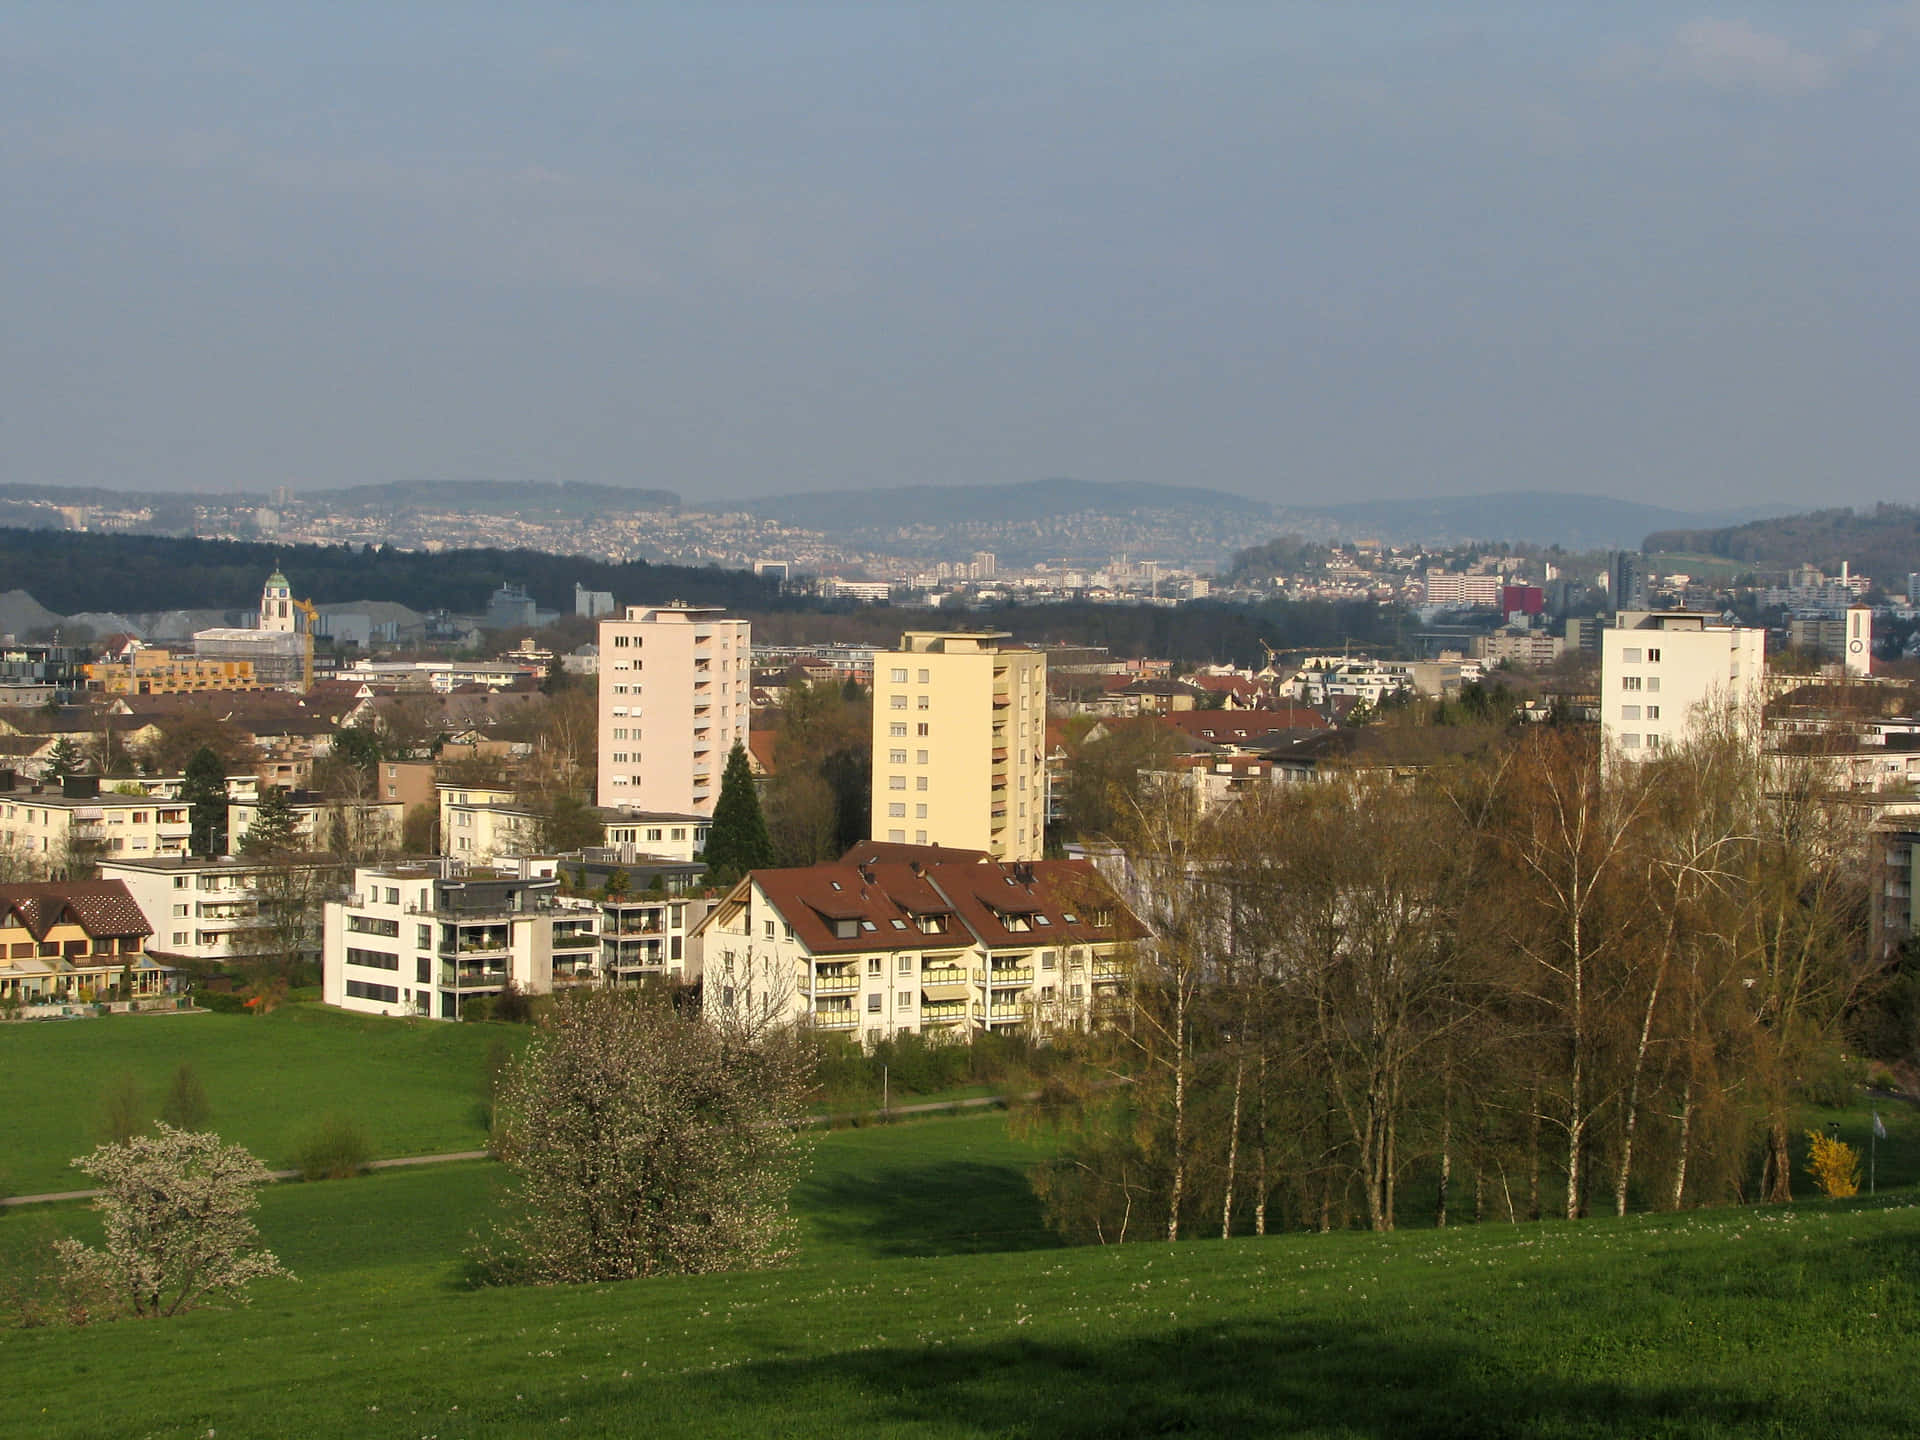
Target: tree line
{"x": 1523, "y": 983}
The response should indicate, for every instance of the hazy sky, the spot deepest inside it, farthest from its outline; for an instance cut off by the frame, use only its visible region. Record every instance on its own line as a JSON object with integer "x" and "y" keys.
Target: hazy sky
{"x": 1293, "y": 250}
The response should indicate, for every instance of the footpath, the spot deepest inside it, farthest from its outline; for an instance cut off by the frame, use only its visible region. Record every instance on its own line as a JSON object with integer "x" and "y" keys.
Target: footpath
{"x": 931, "y": 1107}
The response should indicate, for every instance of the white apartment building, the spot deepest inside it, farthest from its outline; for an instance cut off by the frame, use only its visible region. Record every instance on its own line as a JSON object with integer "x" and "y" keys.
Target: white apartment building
{"x": 426, "y": 939}
{"x": 47, "y": 826}
{"x": 480, "y": 825}
{"x": 374, "y": 825}
{"x": 886, "y": 946}
{"x": 959, "y": 744}
{"x": 675, "y": 683}
{"x": 206, "y": 909}
{"x": 1661, "y": 670}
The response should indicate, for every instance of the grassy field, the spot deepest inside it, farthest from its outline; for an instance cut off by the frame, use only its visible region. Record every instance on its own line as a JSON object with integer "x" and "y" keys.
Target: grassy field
{"x": 1758, "y": 1322}
{"x": 417, "y": 1089}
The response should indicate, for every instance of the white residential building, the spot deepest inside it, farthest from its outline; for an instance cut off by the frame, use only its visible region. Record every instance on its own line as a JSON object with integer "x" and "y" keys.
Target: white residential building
{"x": 675, "y": 687}
{"x": 47, "y": 826}
{"x": 1662, "y": 671}
{"x": 480, "y": 825}
{"x": 426, "y": 939}
{"x": 959, "y": 744}
{"x": 883, "y": 944}
{"x": 207, "y": 909}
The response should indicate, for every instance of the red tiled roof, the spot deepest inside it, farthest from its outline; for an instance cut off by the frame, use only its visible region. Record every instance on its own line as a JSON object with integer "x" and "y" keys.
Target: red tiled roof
{"x": 99, "y": 907}
{"x": 1244, "y": 727}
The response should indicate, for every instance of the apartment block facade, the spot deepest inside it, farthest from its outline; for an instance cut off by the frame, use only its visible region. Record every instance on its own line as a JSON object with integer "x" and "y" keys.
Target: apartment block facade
{"x": 209, "y": 909}
{"x": 1662, "y": 671}
{"x": 674, "y": 684}
{"x": 877, "y": 947}
{"x": 959, "y": 744}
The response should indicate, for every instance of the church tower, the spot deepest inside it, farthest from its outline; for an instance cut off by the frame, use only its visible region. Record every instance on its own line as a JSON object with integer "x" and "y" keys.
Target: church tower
{"x": 276, "y": 604}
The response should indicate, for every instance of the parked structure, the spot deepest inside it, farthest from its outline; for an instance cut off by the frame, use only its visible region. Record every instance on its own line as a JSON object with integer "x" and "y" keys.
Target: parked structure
{"x": 959, "y": 735}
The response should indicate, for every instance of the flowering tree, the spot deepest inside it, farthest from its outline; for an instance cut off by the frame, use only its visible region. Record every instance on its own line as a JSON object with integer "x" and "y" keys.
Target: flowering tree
{"x": 644, "y": 1142}
{"x": 177, "y": 1216}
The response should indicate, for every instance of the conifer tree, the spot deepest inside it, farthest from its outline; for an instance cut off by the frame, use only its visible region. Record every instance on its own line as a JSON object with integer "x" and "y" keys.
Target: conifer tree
{"x": 274, "y": 830}
{"x": 205, "y": 791}
{"x": 738, "y": 841}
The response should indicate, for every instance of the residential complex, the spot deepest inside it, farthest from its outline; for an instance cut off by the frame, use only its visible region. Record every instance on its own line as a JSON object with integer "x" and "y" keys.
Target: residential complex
{"x": 1662, "y": 671}
{"x": 209, "y": 909}
{"x": 480, "y": 824}
{"x": 959, "y": 744}
{"x": 73, "y": 942}
{"x": 898, "y": 940}
{"x": 675, "y": 683}
{"x": 70, "y": 824}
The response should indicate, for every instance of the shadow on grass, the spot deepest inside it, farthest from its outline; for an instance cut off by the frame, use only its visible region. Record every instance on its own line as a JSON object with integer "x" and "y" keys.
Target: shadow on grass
{"x": 955, "y": 1207}
{"x": 1246, "y": 1378}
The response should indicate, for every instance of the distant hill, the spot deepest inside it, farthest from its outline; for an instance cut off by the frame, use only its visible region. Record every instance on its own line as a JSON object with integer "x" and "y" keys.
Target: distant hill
{"x": 494, "y": 497}
{"x": 1023, "y": 502}
{"x": 1574, "y": 522}
{"x": 1883, "y": 542}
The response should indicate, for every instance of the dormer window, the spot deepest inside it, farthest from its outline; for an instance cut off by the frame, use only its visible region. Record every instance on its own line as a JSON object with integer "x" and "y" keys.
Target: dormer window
{"x": 846, "y": 929}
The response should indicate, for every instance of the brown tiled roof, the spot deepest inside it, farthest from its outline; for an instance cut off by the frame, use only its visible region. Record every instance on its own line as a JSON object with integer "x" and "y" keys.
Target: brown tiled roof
{"x": 881, "y": 852}
{"x": 1244, "y": 727}
{"x": 1046, "y": 893}
{"x": 100, "y": 907}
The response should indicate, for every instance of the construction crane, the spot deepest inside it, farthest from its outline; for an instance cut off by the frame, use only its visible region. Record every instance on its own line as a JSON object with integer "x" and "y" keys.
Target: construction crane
{"x": 305, "y": 607}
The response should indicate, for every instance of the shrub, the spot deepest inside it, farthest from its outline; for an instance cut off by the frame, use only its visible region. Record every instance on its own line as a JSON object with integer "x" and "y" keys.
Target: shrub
{"x": 185, "y": 1107}
{"x": 337, "y": 1150}
{"x": 1834, "y": 1165}
{"x": 221, "y": 1002}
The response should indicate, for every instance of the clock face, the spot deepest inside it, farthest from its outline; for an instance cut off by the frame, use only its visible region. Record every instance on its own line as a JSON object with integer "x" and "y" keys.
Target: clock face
{"x": 1856, "y": 646}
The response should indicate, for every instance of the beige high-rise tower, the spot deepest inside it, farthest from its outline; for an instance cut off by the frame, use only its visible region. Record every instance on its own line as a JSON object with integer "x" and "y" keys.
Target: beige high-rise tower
{"x": 675, "y": 691}
{"x": 959, "y": 744}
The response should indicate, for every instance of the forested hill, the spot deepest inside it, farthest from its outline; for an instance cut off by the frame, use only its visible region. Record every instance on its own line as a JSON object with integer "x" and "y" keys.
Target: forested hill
{"x": 69, "y": 571}
{"x": 1883, "y": 542}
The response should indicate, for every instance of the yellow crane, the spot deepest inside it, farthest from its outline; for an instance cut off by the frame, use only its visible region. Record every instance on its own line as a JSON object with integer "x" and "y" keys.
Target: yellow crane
{"x": 305, "y": 607}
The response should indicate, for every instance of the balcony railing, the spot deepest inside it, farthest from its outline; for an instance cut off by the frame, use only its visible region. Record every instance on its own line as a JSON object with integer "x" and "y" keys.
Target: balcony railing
{"x": 835, "y": 984}
{"x": 836, "y": 1019}
{"x": 944, "y": 1010}
{"x": 1011, "y": 975}
{"x": 944, "y": 975}
{"x": 466, "y": 979}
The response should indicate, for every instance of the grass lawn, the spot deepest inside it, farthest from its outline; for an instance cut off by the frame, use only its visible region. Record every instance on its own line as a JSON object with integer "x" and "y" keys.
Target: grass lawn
{"x": 417, "y": 1088}
{"x": 1760, "y": 1321}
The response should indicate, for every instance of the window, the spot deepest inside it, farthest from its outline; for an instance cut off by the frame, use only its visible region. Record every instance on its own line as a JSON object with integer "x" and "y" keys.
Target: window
{"x": 372, "y": 959}
{"x": 898, "y": 675}
{"x": 179, "y": 881}
{"x": 393, "y": 898}
{"x": 896, "y": 757}
{"x": 919, "y": 757}
{"x": 923, "y": 702}
{"x": 1629, "y": 682}
{"x": 1653, "y": 683}
{"x": 898, "y": 837}
{"x": 362, "y": 990}
{"x": 422, "y": 970}
{"x": 903, "y": 1000}
{"x": 919, "y": 837}
{"x": 769, "y": 925}
{"x": 1630, "y": 742}
{"x": 923, "y": 731}
{"x": 906, "y": 964}
{"x": 180, "y": 911}
{"x": 873, "y": 964}
{"x": 920, "y": 782}
{"x": 919, "y": 812}
{"x": 1653, "y": 657}
{"x": 1047, "y": 959}
{"x": 873, "y": 1002}
{"x": 1653, "y": 712}
{"x": 898, "y": 731}
{"x": 896, "y": 782}
{"x": 896, "y": 702}
{"x": 897, "y": 810}
{"x": 1630, "y": 656}
{"x": 1629, "y": 712}
{"x": 374, "y": 925}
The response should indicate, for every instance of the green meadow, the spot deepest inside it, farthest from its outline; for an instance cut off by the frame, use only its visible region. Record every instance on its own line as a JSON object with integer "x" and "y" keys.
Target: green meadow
{"x": 416, "y": 1089}
{"x": 927, "y": 1298}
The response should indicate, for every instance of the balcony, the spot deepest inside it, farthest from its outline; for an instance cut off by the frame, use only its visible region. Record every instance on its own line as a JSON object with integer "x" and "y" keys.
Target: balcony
{"x": 944, "y": 975}
{"x": 944, "y": 1010}
{"x": 836, "y": 1019}
{"x": 1109, "y": 972}
{"x": 835, "y": 984}
{"x": 581, "y": 940}
{"x": 1007, "y": 1012}
{"x": 465, "y": 978}
{"x": 1011, "y": 975}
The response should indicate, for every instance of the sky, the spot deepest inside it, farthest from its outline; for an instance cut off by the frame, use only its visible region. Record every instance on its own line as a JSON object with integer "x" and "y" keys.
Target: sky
{"x": 1299, "y": 251}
